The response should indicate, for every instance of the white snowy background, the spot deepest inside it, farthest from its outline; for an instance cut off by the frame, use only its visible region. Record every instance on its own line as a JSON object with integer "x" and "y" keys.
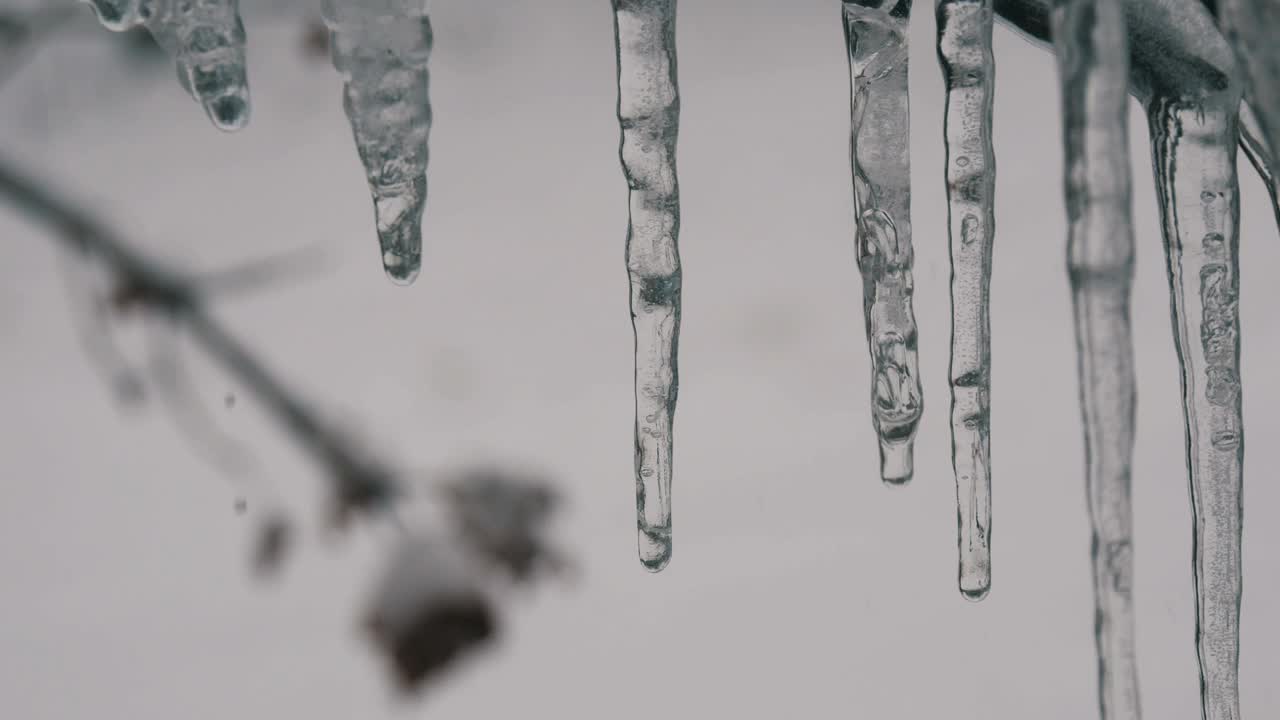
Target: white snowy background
{"x": 800, "y": 586}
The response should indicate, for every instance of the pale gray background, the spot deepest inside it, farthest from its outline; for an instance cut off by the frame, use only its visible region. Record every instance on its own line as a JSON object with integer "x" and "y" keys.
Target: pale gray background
{"x": 800, "y": 586}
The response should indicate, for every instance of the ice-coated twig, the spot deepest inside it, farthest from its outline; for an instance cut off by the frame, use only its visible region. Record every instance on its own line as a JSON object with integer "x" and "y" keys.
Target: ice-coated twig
{"x": 206, "y": 40}
{"x": 1092, "y": 48}
{"x": 648, "y": 112}
{"x": 1260, "y": 156}
{"x": 381, "y": 48}
{"x": 875, "y": 34}
{"x": 1193, "y": 144}
{"x": 968, "y": 68}
{"x": 1252, "y": 27}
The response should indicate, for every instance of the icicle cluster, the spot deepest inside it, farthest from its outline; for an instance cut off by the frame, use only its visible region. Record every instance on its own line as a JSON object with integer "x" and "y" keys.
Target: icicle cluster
{"x": 648, "y": 112}
{"x": 1191, "y": 72}
{"x": 381, "y": 47}
{"x": 206, "y": 40}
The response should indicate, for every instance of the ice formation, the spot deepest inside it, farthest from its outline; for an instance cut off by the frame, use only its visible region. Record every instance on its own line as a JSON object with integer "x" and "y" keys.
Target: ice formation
{"x": 876, "y": 41}
{"x": 1189, "y": 64}
{"x": 381, "y": 48}
{"x": 968, "y": 69}
{"x": 206, "y": 40}
{"x": 1184, "y": 73}
{"x": 1093, "y": 62}
{"x": 648, "y": 113}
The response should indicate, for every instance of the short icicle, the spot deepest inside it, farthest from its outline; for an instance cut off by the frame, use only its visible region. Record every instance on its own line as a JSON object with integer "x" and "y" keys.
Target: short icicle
{"x": 1093, "y": 60}
{"x": 206, "y": 40}
{"x": 648, "y": 112}
{"x": 1193, "y": 141}
{"x": 381, "y": 48}
{"x": 968, "y": 68}
{"x": 876, "y": 42}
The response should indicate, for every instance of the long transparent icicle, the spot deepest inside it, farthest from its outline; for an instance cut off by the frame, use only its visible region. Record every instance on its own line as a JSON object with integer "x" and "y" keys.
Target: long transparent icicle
{"x": 968, "y": 68}
{"x": 648, "y": 112}
{"x": 1260, "y": 156}
{"x": 206, "y": 40}
{"x": 381, "y": 48}
{"x": 876, "y": 40}
{"x": 1193, "y": 142}
{"x": 1093, "y": 60}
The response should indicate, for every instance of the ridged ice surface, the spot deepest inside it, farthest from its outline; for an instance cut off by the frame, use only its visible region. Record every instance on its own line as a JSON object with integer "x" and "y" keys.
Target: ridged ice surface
{"x": 1093, "y": 59}
{"x": 206, "y": 40}
{"x": 648, "y": 112}
{"x": 968, "y": 69}
{"x": 876, "y": 40}
{"x": 381, "y": 48}
{"x": 1193, "y": 148}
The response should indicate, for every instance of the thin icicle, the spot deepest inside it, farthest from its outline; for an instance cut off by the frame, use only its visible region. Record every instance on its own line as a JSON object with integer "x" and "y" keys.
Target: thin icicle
{"x": 1251, "y": 27}
{"x": 1260, "y": 156}
{"x": 876, "y": 40}
{"x": 648, "y": 112}
{"x": 206, "y": 40}
{"x": 964, "y": 51}
{"x": 381, "y": 47}
{"x": 1093, "y": 60}
{"x": 1193, "y": 142}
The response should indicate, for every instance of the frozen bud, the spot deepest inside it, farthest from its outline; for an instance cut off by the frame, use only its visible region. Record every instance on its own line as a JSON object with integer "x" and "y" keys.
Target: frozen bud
{"x": 275, "y": 536}
{"x": 429, "y": 609}
{"x": 504, "y": 516}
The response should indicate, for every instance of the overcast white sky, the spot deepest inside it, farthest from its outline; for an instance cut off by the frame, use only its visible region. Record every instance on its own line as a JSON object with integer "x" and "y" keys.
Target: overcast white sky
{"x": 800, "y": 586}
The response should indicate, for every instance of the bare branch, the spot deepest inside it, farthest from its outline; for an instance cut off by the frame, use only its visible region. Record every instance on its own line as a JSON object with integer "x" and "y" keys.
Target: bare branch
{"x": 361, "y": 482}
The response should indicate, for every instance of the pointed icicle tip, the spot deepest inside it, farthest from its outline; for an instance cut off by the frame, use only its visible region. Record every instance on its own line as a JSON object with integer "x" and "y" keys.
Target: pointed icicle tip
{"x": 401, "y": 269}
{"x": 897, "y": 464}
{"x": 229, "y": 113}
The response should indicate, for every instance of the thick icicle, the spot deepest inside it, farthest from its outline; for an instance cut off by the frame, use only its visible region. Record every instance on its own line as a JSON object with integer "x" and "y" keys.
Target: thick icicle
{"x": 1093, "y": 60}
{"x": 381, "y": 47}
{"x": 206, "y": 40}
{"x": 1261, "y": 156}
{"x": 876, "y": 40}
{"x": 1193, "y": 144}
{"x": 968, "y": 68}
{"x": 648, "y": 112}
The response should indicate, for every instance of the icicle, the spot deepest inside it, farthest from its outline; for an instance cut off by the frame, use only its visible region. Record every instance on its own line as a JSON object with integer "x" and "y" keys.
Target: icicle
{"x": 964, "y": 51}
{"x": 206, "y": 40}
{"x": 1260, "y": 156}
{"x": 1093, "y": 60}
{"x": 648, "y": 112}
{"x": 381, "y": 47}
{"x": 1193, "y": 141}
{"x": 1251, "y": 27}
{"x": 876, "y": 40}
